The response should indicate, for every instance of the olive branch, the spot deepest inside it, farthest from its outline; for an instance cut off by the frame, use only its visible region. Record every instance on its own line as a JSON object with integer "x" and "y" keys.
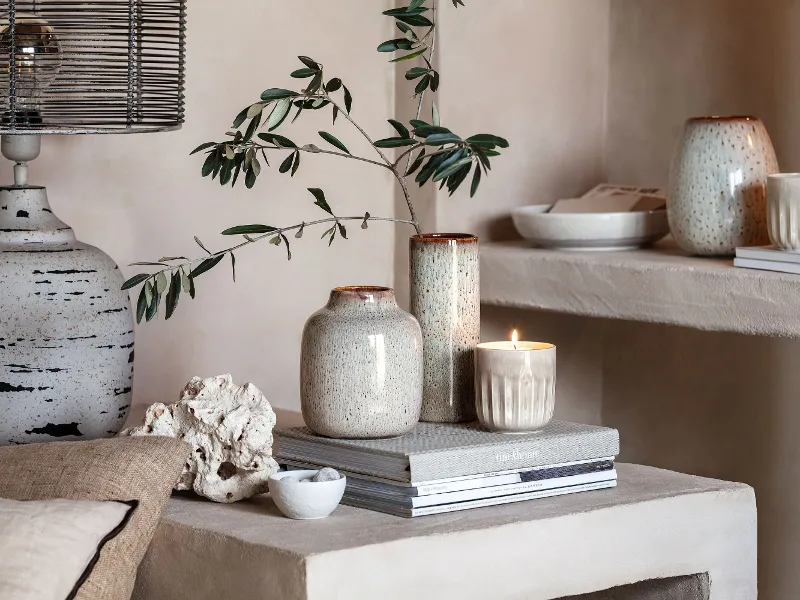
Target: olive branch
{"x": 430, "y": 150}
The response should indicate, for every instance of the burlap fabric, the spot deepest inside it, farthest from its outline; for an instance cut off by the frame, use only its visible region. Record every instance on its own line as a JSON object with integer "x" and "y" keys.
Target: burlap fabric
{"x": 143, "y": 469}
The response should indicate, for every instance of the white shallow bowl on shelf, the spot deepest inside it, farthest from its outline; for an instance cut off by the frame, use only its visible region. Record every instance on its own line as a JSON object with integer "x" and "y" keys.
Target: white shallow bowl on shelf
{"x": 590, "y": 231}
{"x": 305, "y": 500}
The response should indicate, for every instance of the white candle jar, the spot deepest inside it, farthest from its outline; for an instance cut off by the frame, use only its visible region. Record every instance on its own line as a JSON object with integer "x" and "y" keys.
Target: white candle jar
{"x": 515, "y": 385}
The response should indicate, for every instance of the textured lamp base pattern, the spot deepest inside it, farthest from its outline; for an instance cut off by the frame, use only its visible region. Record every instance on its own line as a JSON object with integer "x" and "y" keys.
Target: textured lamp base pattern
{"x": 66, "y": 329}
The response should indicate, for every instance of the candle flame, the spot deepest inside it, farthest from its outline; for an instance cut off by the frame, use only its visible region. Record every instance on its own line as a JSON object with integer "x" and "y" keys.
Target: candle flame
{"x": 514, "y": 338}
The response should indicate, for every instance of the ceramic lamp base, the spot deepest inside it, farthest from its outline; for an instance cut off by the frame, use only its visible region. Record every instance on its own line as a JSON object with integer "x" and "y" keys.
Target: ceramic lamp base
{"x": 66, "y": 329}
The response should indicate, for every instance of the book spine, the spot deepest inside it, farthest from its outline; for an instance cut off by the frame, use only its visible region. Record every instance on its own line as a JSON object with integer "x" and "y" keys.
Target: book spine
{"x": 459, "y": 462}
{"x": 467, "y": 484}
{"x": 512, "y": 489}
{"x": 446, "y": 508}
{"x": 767, "y": 265}
{"x": 781, "y": 256}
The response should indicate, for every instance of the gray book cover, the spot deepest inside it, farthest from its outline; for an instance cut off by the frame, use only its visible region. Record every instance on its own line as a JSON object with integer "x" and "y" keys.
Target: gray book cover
{"x": 434, "y": 451}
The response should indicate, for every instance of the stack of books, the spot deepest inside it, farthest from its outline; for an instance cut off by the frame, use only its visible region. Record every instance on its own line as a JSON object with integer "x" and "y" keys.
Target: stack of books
{"x": 767, "y": 258}
{"x": 439, "y": 468}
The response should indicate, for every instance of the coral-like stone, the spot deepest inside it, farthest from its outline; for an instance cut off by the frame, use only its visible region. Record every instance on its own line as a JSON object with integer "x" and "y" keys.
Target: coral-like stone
{"x": 230, "y": 429}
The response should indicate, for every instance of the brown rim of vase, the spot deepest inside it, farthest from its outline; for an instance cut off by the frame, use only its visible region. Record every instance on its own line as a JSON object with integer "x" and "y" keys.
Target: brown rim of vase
{"x": 443, "y": 238}
{"x": 722, "y": 119}
{"x": 361, "y": 289}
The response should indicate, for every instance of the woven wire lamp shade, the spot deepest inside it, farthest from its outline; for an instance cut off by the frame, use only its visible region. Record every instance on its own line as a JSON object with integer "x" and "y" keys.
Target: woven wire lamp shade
{"x": 108, "y": 66}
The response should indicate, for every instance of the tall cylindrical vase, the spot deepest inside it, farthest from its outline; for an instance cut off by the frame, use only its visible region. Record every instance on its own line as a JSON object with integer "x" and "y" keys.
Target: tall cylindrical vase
{"x": 445, "y": 299}
{"x": 361, "y": 366}
{"x": 66, "y": 329}
{"x": 717, "y": 198}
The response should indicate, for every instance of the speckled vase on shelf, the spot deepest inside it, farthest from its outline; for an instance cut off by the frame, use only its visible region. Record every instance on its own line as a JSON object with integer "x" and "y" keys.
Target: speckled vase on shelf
{"x": 66, "y": 329}
{"x": 361, "y": 366}
{"x": 717, "y": 198}
{"x": 445, "y": 298}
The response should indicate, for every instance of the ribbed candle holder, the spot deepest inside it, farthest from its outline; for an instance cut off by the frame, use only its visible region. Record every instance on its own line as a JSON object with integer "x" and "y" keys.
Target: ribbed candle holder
{"x": 515, "y": 385}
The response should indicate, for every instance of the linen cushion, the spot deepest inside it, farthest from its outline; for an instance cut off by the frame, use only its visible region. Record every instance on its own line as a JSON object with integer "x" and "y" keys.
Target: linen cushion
{"x": 48, "y": 547}
{"x": 141, "y": 469}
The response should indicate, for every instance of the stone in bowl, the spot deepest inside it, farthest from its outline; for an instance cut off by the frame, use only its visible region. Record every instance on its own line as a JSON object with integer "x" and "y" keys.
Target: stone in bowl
{"x": 298, "y": 497}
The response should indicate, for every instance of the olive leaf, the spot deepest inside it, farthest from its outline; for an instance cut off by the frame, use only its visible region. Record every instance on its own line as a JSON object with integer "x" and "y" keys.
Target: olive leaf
{"x": 152, "y": 308}
{"x": 202, "y": 147}
{"x": 394, "y": 143}
{"x": 310, "y": 62}
{"x": 279, "y": 114}
{"x": 400, "y": 128}
{"x": 277, "y": 94}
{"x": 173, "y": 295}
{"x": 206, "y": 265}
{"x": 304, "y": 73}
{"x": 321, "y": 202}
{"x": 185, "y": 282}
{"x": 135, "y": 280}
{"x": 248, "y": 230}
{"x": 277, "y": 140}
{"x": 333, "y": 141}
{"x": 141, "y": 305}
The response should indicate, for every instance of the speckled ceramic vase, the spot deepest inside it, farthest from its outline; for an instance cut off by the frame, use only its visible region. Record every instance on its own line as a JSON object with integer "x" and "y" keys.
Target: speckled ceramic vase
{"x": 717, "y": 198}
{"x": 66, "y": 329}
{"x": 361, "y": 366}
{"x": 445, "y": 298}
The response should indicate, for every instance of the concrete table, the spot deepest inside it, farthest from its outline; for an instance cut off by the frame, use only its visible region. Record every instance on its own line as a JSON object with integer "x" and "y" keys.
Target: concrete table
{"x": 656, "y": 524}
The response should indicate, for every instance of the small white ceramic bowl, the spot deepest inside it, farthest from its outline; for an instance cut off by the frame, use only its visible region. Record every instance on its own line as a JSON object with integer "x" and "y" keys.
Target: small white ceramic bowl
{"x": 305, "y": 500}
{"x": 590, "y": 231}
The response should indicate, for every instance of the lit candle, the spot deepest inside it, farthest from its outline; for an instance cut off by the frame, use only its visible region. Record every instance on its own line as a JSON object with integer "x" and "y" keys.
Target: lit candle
{"x": 515, "y": 385}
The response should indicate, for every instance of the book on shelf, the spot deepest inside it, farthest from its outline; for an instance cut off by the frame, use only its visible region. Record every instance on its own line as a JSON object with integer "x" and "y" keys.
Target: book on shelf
{"x": 465, "y": 493}
{"x": 769, "y": 253}
{"x": 495, "y": 491}
{"x": 384, "y": 487}
{"x": 404, "y": 511}
{"x": 434, "y": 451}
{"x": 767, "y": 265}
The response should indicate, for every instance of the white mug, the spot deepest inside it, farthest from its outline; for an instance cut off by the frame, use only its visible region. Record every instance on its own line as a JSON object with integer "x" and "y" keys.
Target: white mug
{"x": 783, "y": 210}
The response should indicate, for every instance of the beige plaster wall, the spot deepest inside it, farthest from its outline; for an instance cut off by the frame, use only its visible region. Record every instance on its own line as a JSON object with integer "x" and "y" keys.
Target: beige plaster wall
{"x": 535, "y": 72}
{"x": 541, "y": 82}
{"x": 712, "y": 404}
{"x": 140, "y": 197}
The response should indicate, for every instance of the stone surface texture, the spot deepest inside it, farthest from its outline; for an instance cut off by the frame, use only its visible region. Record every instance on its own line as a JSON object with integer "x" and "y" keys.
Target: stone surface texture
{"x": 659, "y": 285}
{"x": 66, "y": 329}
{"x": 445, "y": 299}
{"x": 655, "y": 524}
{"x": 361, "y": 366}
{"x": 230, "y": 429}
{"x": 327, "y": 474}
{"x": 717, "y": 199}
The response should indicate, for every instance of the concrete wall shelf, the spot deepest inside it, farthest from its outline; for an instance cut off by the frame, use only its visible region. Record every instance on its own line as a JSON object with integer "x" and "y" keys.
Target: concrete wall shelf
{"x": 658, "y": 285}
